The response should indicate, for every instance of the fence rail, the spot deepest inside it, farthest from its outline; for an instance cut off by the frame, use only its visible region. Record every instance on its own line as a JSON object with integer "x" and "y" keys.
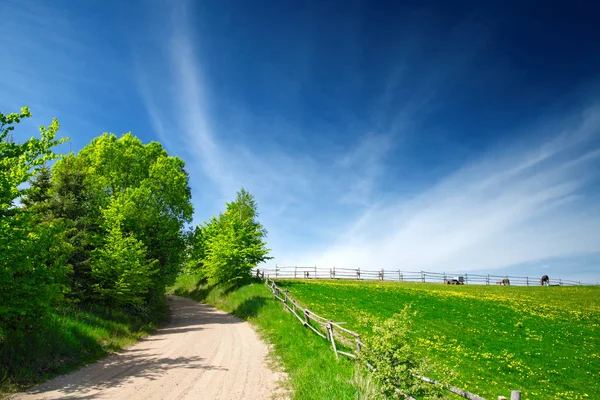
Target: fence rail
{"x": 408, "y": 276}
{"x": 343, "y": 341}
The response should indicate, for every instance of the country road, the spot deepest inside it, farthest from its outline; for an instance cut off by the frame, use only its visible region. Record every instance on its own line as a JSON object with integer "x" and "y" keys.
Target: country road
{"x": 202, "y": 353}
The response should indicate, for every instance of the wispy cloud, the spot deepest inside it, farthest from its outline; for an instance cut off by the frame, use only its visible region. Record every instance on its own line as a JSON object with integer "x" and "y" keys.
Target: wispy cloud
{"x": 514, "y": 205}
{"x": 519, "y": 202}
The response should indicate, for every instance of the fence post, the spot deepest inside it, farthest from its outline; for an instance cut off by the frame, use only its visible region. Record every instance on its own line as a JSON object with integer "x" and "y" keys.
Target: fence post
{"x": 295, "y": 269}
{"x": 487, "y": 280}
{"x": 358, "y": 274}
{"x": 330, "y": 334}
{"x": 357, "y": 345}
{"x": 401, "y": 277}
{"x": 560, "y": 281}
{"x": 276, "y": 271}
{"x": 306, "y": 321}
{"x": 515, "y": 395}
{"x": 423, "y": 276}
{"x": 334, "y": 272}
{"x": 445, "y": 279}
{"x": 285, "y": 298}
{"x": 527, "y": 280}
{"x": 315, "y": 272}
{"x": 466, "y": 279}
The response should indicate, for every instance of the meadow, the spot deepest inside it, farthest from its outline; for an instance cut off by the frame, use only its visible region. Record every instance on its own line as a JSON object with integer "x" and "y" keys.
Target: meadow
{"x": 544, "y": 341}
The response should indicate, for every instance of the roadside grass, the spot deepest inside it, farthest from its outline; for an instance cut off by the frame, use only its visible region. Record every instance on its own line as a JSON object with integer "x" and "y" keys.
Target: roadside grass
{"x": 70, "y": 338}
{"x": 544, "y": 341}
{"x": 313, "y": 372}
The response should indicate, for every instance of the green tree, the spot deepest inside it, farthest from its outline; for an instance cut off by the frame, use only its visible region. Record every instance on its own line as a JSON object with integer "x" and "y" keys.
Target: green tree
{"x": 36, "y": 197}
{"x": 153, "y": 193}
{"x": 70, "y": 200}
{"x": 120, "y": 270}
{"x": 234, "y": 242}
{"x": 32, "y": 255}
{"x": 195, "y": 250}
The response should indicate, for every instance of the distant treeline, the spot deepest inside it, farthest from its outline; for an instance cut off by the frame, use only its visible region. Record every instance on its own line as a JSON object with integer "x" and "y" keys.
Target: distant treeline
{"x": 106, "y": 226}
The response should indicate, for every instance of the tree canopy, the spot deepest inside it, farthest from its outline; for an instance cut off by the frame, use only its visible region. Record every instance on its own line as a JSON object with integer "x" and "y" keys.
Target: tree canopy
{"x": 231, "y": 245}
{"x": 32, "y": 255}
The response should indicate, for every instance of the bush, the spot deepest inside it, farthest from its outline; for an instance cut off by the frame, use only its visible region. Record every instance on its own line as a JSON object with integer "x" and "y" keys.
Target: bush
{"x": 389, "y": 357}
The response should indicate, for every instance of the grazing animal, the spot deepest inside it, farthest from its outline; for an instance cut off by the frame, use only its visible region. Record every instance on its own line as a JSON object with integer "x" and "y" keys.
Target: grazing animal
{"x": 499, "y": 283}
{"x": 545, "y": 281}
{"x": 506, "y": 282}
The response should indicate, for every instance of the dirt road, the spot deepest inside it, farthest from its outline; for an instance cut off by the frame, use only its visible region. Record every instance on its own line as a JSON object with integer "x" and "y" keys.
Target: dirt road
{"x": 202, "y": 353}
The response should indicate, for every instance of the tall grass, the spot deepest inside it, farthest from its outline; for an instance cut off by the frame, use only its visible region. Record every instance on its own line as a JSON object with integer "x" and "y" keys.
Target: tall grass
{"x": 70, "y": 337}
{"x": 313, "y": 372}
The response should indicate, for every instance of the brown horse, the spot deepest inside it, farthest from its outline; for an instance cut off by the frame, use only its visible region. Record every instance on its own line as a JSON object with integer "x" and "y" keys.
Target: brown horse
{"x": 545, "y": 281}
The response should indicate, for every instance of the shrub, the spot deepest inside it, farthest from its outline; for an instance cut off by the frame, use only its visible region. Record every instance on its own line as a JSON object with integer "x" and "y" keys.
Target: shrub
{"x": 389, "y": 357}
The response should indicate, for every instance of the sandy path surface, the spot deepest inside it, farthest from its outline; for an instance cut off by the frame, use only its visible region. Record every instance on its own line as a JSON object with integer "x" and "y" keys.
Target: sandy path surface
{"x": 202, "y": 353}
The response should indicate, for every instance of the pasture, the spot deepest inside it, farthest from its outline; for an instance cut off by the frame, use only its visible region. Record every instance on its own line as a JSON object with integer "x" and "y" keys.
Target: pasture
{"x": 544, "y": 341}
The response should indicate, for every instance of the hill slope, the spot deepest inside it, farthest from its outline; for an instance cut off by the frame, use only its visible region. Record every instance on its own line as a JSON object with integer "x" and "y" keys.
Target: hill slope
{"x": 544, "y": 341}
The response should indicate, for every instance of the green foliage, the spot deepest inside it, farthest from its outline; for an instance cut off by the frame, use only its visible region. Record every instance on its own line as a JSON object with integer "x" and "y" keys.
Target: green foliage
{"x": 32, "y": 255}
{"x": 33, "y": 270}
{"x": 154, "y": 196}
{"x": 233, "y": 243}
{"x": 18, "y": 160}
{"x": 37, "y": 195}
{"x": 196, "y": 250}
{"x": 120, "y": 269}
{"x": 390, "y": 358}
{"x": 71, "y": 201}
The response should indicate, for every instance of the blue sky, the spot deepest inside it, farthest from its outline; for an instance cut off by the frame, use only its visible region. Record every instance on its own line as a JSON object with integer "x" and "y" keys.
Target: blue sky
{"x": 462, "y": 137}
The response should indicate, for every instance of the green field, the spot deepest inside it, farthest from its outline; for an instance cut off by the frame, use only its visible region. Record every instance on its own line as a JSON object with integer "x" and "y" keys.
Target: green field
{"x": 544, "y": 341}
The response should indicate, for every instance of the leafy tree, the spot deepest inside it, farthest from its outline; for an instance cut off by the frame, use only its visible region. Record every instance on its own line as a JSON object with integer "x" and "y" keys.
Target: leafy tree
{"x": 195, "y": 250}
{"x": 19, "y": 161}
{"x": 234, "y": 242}
{"x": 154, "y": 195}
{"x": 122, "y": 274}
{"x": 32, "y": 255}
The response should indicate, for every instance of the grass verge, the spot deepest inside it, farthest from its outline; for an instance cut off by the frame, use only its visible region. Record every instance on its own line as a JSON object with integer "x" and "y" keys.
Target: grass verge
{"x": 313, "y": 372}
{"x": 68, "y": 339}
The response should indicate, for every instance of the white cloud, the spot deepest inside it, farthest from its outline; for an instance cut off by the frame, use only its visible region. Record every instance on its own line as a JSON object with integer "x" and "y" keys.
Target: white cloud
{"x": 512, "y": 206}
{"x": 518, "y": 203}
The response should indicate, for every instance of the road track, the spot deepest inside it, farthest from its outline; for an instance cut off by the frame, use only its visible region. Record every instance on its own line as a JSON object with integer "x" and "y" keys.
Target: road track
{"x": 202, "y": 353}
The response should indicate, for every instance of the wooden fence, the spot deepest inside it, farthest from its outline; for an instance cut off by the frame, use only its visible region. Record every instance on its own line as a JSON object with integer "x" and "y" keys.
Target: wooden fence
{"x": 407, "y": 276}
{"x": 343, "y": 341}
